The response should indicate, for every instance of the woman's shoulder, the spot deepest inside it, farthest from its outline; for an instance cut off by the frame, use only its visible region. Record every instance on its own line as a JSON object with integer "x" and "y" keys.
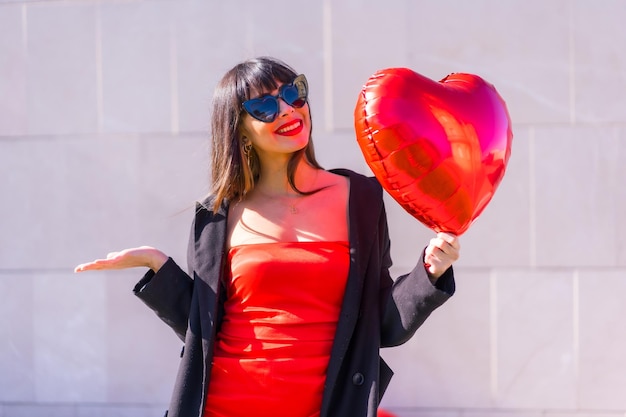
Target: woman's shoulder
{"x": 359, "y": 182}
{"x": 206, "y": 205}
{"x": 353, "y": 175}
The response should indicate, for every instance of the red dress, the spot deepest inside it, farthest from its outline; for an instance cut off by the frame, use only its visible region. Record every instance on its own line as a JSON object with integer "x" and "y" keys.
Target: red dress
{"x": 281, "y": 314}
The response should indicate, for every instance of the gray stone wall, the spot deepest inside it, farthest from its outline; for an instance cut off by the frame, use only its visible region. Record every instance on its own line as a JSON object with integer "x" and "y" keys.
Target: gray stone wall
{"x": 103, "y": 145}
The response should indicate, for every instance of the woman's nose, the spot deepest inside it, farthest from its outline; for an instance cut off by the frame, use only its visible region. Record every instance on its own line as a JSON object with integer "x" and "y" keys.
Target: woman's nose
{"x": 284, "y": 108}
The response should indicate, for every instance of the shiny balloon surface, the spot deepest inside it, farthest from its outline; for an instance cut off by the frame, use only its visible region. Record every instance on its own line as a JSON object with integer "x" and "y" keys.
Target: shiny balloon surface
{"x": 440, "y": 149}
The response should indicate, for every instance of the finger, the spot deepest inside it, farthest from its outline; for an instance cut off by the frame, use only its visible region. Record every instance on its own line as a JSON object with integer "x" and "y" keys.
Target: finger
{"x": 435, "y": 255}
{"x": 446, "y": 253}
{"x": 89, "y": 266}
{"x": 451, "y": 249}
{"x": 434, "y": 265}
{"x": 98, "y": 264}
{"x": 439, "y": 259}
{"x": 449, "y": 238}
{"x": 438, "y": 244}
{"x": 430, "y": 254}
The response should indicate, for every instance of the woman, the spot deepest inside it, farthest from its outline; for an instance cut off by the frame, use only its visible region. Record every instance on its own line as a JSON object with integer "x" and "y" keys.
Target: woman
{"x": 288, "y": 297}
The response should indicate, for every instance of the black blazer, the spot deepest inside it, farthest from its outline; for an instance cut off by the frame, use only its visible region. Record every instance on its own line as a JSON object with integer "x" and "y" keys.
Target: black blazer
{"x": 376, "y": 312}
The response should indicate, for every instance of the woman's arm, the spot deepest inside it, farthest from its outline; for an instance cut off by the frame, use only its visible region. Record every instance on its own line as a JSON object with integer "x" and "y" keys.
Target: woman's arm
{"x": 408, "y": 301}
{"x": 168, "y": 293}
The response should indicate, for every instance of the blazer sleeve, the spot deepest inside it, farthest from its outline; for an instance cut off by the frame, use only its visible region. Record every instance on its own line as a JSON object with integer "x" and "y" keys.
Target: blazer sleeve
{"x": 168, "y": 293}
{"x": 409, "y": 300}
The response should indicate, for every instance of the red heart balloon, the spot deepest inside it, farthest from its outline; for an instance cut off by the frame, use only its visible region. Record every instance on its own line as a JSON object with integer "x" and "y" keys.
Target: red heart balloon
{"x": 440, "y": 149}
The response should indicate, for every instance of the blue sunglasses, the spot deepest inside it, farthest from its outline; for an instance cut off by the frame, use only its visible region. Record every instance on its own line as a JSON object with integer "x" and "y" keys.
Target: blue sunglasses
{"x": 267, "y": 107}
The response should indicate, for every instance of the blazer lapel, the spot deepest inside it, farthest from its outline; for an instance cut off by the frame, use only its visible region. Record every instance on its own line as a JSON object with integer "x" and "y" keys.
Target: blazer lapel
{"x": 209, "y": 248}
{"x": 363, "y": 211}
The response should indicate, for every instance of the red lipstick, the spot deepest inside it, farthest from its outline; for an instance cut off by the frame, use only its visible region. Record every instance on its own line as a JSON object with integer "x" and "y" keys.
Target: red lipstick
{"x": 290, "y": 129}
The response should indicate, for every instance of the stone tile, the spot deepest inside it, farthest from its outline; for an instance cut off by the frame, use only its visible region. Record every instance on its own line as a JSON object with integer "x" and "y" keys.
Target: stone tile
{"x": 358, "y": 50}
{"x": 61, "y": 68}
{"x": 502, "y": 413}
{"x": 143, "y": 353}
{"x": 69, "y": 329}
{"x": 102, "y": 207}
{"x": 34, "y": 192}
{"x": 536, "y": 356}
{"x": 421, "y": 412}
{"x": 136, "y": 66}
{"x": 500, "y": 236}
{"x": 574, "y": 172}
{"x": 529, "y": 68}
{"x": 620, "y": 197}
{"x": 173, "y": 173}
{"x": 39, "y": 410}
{"x": 12, "y": 71}
{"x": 599, "y": 39}
{"x": 69, "y": 199}
{"x": 583, "y": 414}
{"x": 279, "y": 40}
{"x": 17, "y": 376}
{"x": 339, "y": 150}
{"x": 114, "y": 410}
{"x": 207, "y": 45}
{"x": 447, "y": 363}
{"x": 602, "y": 340}
{"x": 75, "y": 199}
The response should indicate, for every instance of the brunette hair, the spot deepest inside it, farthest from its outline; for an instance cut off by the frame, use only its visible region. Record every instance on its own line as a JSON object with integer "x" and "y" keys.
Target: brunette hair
{"x": 231, "y": 174}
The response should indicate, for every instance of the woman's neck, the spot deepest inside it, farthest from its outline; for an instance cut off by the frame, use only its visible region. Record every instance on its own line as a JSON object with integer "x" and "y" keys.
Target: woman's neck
{"x": 273, "y": 180}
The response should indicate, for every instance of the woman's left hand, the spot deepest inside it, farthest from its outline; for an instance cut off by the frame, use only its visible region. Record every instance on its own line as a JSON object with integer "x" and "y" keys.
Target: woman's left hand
{"x": 441, "y": 253}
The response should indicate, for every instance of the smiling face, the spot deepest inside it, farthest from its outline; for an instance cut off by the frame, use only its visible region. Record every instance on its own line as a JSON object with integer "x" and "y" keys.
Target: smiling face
{"x": 288, "y": 133}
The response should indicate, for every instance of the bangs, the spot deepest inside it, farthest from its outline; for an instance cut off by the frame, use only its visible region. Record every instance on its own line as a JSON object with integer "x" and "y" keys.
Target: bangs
{"x": 261, "y": 77}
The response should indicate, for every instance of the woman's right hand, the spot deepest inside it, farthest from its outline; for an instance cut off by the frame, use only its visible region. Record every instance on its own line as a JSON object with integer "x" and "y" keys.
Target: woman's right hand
{"x": 127, "y": 258}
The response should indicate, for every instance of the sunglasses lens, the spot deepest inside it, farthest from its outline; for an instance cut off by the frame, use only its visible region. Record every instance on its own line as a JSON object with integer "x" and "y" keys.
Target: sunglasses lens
{"x": 292, "y": 97}
{"x": 264, "y": 109}
{"x": 296, "y": 93}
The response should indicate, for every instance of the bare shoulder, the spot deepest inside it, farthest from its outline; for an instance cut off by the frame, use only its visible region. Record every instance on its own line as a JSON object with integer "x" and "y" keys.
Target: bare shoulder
{"x": 334, "y": 183}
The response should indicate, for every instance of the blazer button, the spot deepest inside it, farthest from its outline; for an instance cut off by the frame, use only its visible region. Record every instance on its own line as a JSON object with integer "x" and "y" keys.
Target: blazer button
{"x": 358, "y": 379}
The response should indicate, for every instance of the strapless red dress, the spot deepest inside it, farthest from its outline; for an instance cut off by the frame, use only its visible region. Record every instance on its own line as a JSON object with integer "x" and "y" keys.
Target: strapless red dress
{"x": 281, "y": 314}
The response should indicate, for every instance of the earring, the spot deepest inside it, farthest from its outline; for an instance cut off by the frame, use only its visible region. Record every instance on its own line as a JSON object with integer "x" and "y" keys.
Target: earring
{"x": 247, "y": 148}
{"x": 247, "y": 151}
